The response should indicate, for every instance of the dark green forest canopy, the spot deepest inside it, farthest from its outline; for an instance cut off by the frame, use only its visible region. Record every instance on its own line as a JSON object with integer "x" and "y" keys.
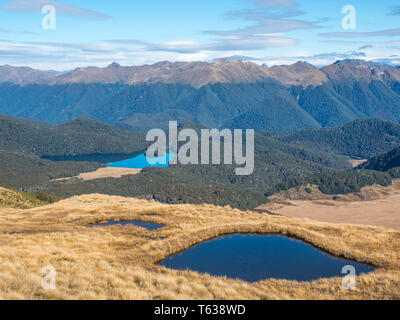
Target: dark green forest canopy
{"x": 383, "y": 162}
{"x": 80, "y": 136}
{"x": 360, "y": 138}
{"x": 264, "y": 105}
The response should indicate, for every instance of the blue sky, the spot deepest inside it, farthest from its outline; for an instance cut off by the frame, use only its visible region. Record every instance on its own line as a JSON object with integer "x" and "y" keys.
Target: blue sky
{"x": 99, "y": 32}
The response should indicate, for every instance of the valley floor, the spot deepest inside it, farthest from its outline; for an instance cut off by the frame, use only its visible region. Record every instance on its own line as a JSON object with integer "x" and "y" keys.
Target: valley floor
{"x": 374, "y": 205}
{"x": 121, "y": 263}
{"x": 107, "y": 172}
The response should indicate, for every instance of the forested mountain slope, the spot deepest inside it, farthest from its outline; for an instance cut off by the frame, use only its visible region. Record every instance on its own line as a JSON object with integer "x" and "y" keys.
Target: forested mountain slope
{"x": 384, "y": 162}
{"x": 224, "y": 93}
{"x": 80, "y": 136}
{"x": 361, "y": 138}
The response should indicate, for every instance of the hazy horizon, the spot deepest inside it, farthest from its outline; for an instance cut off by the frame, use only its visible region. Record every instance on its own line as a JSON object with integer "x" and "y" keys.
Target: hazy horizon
{"x": 274, "y": 32}
{"x": 198, "y": 61}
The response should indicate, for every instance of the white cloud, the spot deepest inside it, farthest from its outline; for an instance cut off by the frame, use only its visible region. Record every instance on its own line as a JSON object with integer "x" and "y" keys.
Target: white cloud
{"x": 66, "y": 56}
{"x": 193, "y": 47}
{"x": 381, "y": 33}
{"x": 275, "y": 3}
{"x": 267, "y": 27}
{"x": 63, "y": 8}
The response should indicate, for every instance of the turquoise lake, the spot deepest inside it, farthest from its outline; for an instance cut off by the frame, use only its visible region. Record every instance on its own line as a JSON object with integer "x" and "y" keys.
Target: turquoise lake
{"x": 141, "y": 162}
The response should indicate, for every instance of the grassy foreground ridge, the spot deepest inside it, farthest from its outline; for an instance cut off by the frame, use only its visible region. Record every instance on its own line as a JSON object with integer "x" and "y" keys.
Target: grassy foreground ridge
{"x": 121, "y": 263}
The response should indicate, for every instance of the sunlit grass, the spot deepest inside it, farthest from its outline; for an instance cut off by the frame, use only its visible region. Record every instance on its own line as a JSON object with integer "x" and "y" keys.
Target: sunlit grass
{"x": 121, "y": 263}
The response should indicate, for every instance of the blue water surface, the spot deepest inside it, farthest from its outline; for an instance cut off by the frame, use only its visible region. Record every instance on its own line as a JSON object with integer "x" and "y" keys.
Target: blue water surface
{"x": 146, "y": 225}
{"x": 141, "y": 162}
{"x": 255, "y": 257}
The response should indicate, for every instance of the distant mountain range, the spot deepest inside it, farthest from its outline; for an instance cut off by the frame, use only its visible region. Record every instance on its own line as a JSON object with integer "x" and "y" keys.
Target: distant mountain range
{"x": 227, "y": 93}
{"x": 24, "y": 75}
{"x": 198, "y": 74}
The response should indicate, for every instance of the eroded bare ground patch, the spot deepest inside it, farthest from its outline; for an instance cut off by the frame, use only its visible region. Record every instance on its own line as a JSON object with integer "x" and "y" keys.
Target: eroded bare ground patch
{"x": 356, "y": 162}
{"x": 121, "y": 263}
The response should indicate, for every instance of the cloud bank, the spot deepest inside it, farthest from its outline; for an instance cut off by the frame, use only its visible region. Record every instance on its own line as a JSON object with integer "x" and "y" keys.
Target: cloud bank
{"x": 382, "y": 33}
{"x": 21, "y": 6}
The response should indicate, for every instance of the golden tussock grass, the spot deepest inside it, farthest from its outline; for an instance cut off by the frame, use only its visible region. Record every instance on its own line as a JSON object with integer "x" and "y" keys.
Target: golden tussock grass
{"x": 15, "y": 199}
{"x": 121, "y": 263}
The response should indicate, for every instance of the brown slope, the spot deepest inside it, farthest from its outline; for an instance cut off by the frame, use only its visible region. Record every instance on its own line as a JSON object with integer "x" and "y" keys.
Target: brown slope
{"x": 361, "y": 70}
{"x": 13, "y": 199}
{"x": 23, "y": 74}
{"x": 196, "y": 74}
{"x": 300, "y": 73}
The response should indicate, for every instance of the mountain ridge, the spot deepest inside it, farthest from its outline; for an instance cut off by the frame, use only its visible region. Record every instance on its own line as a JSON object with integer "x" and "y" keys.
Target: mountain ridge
{"x": 224, "y": 93}
{"x": 24, "y": 74}
{"x": 201, "y": 73}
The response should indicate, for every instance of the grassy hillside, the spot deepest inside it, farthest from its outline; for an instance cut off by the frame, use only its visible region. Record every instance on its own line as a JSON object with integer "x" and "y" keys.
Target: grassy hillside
{"x": 19, "y": 200}
{"x": 361, "y": 138}
{"x": 122, "y": 263}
